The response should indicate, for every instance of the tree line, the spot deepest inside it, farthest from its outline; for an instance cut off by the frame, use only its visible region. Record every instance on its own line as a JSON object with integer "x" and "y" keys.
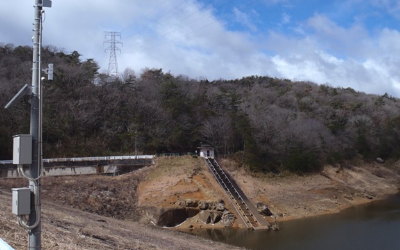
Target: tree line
{"x": 266, "y": 123}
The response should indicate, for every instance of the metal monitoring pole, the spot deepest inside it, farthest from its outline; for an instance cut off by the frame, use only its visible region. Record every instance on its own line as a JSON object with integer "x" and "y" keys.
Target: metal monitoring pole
{"x": 27, "y": 149}
{"x": 34, "y": 235}
{"x": 113, "y": 64}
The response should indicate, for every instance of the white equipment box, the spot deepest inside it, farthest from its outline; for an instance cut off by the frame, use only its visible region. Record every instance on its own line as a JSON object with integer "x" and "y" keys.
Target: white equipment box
{"x": 22, "y": 153}
{"x": 21, "y": 201}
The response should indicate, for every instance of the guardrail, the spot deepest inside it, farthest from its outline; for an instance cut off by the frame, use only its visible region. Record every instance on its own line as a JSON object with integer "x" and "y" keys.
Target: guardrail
{"x": 237, "y": 193}
{"x": 247, "y": 212}
{"x": 223, "y": 185}
{"x": 238, "y": 207}
{"x": 99, "y": 158}
{"x": 82, "y": 165}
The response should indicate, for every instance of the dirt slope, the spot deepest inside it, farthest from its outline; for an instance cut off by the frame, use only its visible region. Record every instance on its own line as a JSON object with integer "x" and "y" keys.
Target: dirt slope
{"x": 177, "y": 179}
{"x": 69, "y": 228}
{"x": 105, "y": 212}
{"x": 330, "y": 191}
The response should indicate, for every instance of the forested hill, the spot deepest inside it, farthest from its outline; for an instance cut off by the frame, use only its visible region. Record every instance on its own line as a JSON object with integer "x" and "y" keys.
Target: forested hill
{"x": 270, "y": 124}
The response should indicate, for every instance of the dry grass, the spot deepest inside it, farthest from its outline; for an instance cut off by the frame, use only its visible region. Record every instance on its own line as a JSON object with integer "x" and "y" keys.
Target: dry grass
{"x": 174, "y": 166}
{"x": 66, "y": 225}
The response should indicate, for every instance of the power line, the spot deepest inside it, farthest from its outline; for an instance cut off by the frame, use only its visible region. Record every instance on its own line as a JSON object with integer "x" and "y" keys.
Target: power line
{"x": 112, "y": 63}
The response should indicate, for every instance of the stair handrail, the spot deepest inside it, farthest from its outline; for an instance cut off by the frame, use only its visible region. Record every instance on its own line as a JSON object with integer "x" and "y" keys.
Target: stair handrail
{"x": 230, "y": 196}
{"x": 238, "y": 194}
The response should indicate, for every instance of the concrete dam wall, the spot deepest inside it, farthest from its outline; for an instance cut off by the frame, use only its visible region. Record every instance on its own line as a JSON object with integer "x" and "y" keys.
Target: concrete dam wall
{"x": 82, "y": 166}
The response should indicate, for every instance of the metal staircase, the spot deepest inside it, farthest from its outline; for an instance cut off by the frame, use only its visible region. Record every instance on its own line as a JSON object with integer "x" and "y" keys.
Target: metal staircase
{"x": 244, "y": 208}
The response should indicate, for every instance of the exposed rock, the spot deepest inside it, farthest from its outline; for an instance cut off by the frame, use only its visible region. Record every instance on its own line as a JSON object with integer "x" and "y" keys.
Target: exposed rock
{"x": 204, "y": 216}
{"x": 348, "y": 196}
{"x": 263, "y": 209}
{"x": 227, "y": 218}
{"x": 368, "y": 196}
{"x": 215, "y": 216}
{"x": 191, "y": 203}
{"x": 188, "y": 203}
{"x": 380, "y": 160}
{"x": 203, "y": 205}
{"x": 212, "y": 205}
{"x": 181, "y": 203}
{"x": 220, "y": 206}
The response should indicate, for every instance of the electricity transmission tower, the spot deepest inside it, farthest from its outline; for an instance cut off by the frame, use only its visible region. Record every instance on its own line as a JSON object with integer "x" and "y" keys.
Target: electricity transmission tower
{"x": 112, "y": 63}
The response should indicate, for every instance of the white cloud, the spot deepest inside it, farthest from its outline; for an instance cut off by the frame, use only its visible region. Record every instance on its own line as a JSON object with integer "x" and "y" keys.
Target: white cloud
{"x": 346, "y": 57}
{"x": 391, "y": 6}
{"x": 244, "y": 19}
{"x": 286, "y": 18}
{"x": 185, "y": 37}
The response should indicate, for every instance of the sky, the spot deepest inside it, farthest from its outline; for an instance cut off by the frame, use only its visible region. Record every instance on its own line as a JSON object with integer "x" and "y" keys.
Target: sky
{"x": 351, "y": 43}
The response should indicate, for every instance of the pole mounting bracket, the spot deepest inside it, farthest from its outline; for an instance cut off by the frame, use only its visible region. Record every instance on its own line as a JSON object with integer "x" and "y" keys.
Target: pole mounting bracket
{"x": 25, "y": 90}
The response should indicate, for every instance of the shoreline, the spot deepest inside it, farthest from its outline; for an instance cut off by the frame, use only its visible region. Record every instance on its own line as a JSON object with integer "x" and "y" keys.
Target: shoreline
{"x": 154, "y": 190}
{"x": 336, "y": 188}
{"x": 189, "y": 225}
{"x": 342, "y": 209}
{"x": 331, "y": 191}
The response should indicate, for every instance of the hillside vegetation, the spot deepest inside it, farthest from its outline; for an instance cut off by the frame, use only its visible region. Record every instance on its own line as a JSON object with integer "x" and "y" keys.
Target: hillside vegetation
{"x": 267, "y": 124}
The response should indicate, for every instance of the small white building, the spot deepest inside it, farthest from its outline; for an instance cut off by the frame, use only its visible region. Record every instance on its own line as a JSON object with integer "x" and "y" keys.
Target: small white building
{"x": 206, "y": 151}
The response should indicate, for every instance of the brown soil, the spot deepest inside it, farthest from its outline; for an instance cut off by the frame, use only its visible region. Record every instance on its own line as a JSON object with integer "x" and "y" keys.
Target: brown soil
{"x": 332, "y": 190}
{"x": 173, "y": 180}
{"x": 68, "y": 228}
{"x": 104, "y": 212}
{"x": 101, "y": 212}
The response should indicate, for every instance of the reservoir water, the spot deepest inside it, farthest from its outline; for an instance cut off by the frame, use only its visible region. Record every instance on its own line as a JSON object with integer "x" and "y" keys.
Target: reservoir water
{"x": 375, "y": 226}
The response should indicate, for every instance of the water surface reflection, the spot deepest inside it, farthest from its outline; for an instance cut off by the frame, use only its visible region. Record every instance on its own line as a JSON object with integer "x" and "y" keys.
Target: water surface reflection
{"x": 372, "y": 226}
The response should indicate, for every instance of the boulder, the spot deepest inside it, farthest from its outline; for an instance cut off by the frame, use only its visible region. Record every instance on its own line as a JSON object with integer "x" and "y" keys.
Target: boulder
{"x": 203, "y": 205}
{"x": 191, "y": 203}
{"x": 205, "y": 216}
{"x": 215, "y": 216}
{"x": 348, "y": 196}
{"x": 211, "y": 205}
{"x": 227, "y": 218}
{"x": 263, "y": 209}
{"x": 220, "y": 207}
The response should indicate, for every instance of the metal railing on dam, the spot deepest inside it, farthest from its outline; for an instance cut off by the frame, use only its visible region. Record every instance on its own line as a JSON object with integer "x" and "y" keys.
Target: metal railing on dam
{"x": 83, "y": 165}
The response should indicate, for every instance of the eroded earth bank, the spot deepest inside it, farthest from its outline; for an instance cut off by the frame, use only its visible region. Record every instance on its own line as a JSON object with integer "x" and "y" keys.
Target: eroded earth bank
{"x": 130, "y": 211}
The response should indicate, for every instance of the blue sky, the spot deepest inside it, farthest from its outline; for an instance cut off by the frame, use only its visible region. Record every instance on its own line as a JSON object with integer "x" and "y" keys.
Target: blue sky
{"x": 351, "y": 43}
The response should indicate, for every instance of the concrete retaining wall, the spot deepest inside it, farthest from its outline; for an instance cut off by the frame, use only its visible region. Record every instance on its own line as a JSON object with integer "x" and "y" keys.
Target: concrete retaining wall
{"x": 82, "y": 166}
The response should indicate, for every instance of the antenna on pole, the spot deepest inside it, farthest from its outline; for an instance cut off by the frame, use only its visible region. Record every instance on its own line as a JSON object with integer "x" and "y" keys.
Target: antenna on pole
{"x": 112, "y": 63}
